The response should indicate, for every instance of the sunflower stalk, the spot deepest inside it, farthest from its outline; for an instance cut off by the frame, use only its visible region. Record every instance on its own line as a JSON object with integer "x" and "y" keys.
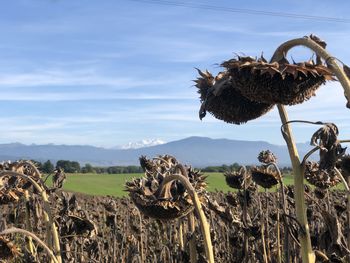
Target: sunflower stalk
{"x": 245, "y": 215}
{"x": 204, "y": 226}
{"x": 348, "y": 215}
{"x": 306, "y": 250}
{"x": 28, "y": 225}
{"x": 192, "y": 241}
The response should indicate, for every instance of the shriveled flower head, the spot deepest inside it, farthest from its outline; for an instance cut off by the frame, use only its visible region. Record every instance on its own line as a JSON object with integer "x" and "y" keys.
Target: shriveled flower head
{"x": 321, "y": 178}
{"x": 265, "y": 177}
{"x": 12, "y": 187}
{"x": 277, "y": 82}
{"x": 173, "y": 201}
{"x": 267, "y": 157}
{"x": 322, "y": 173}
{"x": 235, "y": 179}
{"x": 8, "y": 250}
{"x": 220, "y": 97}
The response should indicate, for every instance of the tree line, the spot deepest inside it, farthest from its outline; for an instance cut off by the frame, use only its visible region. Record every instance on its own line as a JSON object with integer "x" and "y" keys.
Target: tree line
{"x": 74, "y": 167}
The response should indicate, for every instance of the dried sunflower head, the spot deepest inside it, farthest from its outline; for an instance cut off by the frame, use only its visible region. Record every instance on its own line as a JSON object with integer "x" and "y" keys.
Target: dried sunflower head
{"x": 278, "y": 82}
{"x": 265, "y": 177}
{"x": 322, "y": 173}
{"x": 235, "y": 179}
{"x": 173, "y": 201}
{"x": 267, "y": 157}
{"x": 12, "y": 187}
{"x": 321, "y": 178}
{"x": 220, "y": 97}
{"x": 8, "y": 250}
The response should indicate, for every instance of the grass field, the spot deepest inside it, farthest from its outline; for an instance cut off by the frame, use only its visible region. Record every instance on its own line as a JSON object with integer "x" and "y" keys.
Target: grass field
{"x": 113, "y": 184}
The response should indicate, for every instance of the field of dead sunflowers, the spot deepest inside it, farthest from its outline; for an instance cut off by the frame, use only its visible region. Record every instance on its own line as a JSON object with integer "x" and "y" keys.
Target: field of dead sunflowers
{"x": 170, "y": 217}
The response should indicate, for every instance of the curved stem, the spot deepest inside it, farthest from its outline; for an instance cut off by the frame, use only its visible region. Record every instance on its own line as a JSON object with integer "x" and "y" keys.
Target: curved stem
{"x": 205, "y": 229}
{"x": 47, "y": 214}
{"x": 308, "y": 155}
{"x": 14, "y": 230}
{"x": 331, "y": 61}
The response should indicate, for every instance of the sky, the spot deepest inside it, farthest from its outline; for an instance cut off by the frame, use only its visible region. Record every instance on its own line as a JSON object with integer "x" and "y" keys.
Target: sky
{"x": 110, "y": 72}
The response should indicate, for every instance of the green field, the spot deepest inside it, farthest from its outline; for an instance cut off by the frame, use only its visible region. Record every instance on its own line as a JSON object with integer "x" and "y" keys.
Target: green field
{"x": 113, "y": 184}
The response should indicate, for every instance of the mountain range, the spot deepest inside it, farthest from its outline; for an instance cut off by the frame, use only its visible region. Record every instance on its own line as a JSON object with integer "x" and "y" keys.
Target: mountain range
{"x": 195, "y": 151}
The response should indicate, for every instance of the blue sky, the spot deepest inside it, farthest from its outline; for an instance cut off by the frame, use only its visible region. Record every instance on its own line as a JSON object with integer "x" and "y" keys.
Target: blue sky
{"x": 109, "y": 72}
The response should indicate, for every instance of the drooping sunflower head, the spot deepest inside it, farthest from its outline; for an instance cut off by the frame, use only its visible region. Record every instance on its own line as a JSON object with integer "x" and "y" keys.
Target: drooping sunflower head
{"x": 173, "y": 200}
{"x": 265, "y": 177}
{"x": 219, "y": 96}
{"x": 277, "y": 82}
{"x": 326, "y": 138}
{"x": 235, "y": 179}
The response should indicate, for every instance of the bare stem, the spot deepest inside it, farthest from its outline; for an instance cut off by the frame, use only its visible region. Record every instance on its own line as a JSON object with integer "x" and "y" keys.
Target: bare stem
{"x": 348, "y": 214}
{"x": 14, "y": 230}
{"x": 192, "y": 242}
{"x": 306, "y": 249}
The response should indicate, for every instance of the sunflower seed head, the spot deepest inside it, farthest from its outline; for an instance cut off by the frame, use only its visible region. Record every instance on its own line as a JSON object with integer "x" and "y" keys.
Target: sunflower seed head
{"x": 267, "y": 157}
{"x": 173, "y": 200}
{"x": 265, "y": 177}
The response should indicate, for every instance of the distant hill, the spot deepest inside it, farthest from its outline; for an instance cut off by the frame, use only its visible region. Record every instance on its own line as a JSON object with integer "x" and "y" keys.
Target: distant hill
{"x": 197, "y": 151}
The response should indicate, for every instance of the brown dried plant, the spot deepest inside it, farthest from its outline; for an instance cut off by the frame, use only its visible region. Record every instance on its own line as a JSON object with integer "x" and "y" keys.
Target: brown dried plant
{"x": 171, "y": 202}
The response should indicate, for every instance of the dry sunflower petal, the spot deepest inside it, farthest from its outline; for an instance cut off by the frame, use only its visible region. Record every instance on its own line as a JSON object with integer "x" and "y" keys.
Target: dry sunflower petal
{"x": 278, "y": 82}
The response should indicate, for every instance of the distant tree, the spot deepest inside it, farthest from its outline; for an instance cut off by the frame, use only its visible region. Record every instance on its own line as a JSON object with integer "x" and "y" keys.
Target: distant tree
{"x": 68, "y": 166}
{"x": 48, "y": 167}
{"x": 88, "y": 169}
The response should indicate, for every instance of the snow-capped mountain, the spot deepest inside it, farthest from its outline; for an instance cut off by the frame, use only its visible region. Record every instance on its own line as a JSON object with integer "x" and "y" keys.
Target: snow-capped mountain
{"x": 141, "y": 144}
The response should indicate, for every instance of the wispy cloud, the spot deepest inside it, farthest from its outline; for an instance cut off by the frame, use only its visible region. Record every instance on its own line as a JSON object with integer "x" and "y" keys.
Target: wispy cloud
{"x": 87, "y": 77}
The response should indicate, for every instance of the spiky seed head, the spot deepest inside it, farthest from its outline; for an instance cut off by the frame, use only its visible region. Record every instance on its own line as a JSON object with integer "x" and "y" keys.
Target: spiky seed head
{"x": 235, "y": 179}
{"x": 219, "y": 97}
{"x": 267, "y": 157}
{"x": 173, "y": 201}
{"x": 265, "y": 177}
{"x": 278, "y": 82}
